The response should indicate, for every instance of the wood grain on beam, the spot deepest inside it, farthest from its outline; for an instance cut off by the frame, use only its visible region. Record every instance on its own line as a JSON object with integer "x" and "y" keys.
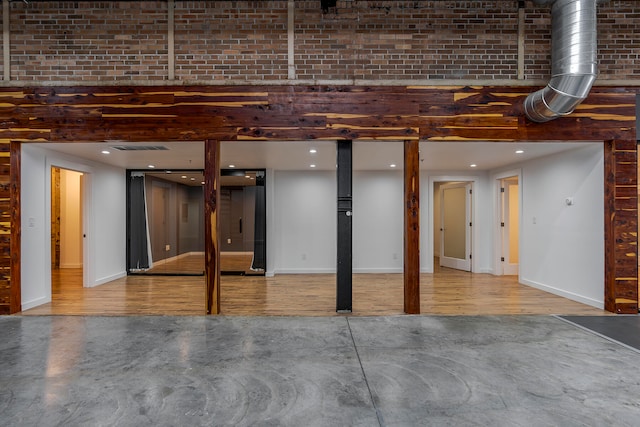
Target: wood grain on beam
{"x": 412, "y": 227}
{"x": 621, "y": 227}
{"x": 14, "y": 268}
{"x": 181, "y": 113}
{"x": 212, "y": 225}
{"x": 9, "y": 288}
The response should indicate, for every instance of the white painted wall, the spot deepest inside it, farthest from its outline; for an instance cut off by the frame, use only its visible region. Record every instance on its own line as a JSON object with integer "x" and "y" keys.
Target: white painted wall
{"x": 35, "y": 250}
{"x": 378, "y": 221}
{"x": 305, "y": 204}
{"x": 302, "y": 221}
{"x": 104, "y": 222}
{"x": 108, "y": 201}
{"x": 562, "y": 247}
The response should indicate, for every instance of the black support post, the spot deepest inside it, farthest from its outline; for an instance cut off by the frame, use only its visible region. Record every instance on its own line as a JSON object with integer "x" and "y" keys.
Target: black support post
{"x": 343, "y": 274}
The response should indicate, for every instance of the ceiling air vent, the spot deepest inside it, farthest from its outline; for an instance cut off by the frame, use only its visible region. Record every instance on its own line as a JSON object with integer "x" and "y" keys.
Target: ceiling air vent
{"x": 139, "y": 147}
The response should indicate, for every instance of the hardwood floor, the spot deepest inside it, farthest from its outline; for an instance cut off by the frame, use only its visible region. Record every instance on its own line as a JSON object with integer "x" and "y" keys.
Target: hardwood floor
{"x": 193, "y": 264}
{"x": 446, "y": 292}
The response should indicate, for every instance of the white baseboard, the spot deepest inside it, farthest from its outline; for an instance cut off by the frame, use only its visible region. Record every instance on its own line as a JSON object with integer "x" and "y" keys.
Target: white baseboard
{"x": 71, "y": 265}
{"x": 34, "y": 303}
{"x": 108, "y": 279}
{"x": 305, "y": 271}
{"x": 377, "y": 270}
{"x": 560, "y": 292}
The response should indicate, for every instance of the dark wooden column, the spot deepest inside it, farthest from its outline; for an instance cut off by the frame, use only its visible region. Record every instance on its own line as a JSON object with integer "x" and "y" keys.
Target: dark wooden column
{"x": 412, "y": 227}
{"x": 15, "y": 301}
{"x": 345, "y": 227}
{"x": 621, "y": 226}
{"x": 212, "y": 225}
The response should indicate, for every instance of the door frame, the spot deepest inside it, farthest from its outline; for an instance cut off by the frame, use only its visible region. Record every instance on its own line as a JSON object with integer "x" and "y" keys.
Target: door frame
{"x": 508, "y": 266}
{"x": 463, "y": 264}
{"x": 88, "y": 250}
{"x": 474, "y": 180}
{"x": 498, "y": 266}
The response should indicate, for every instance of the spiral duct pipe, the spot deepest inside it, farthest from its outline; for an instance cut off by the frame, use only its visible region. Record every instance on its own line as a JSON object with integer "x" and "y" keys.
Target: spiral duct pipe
{"x": 573, "y": 60}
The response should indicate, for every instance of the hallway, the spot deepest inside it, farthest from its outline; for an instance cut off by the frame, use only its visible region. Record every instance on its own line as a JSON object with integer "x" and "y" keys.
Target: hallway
{"x": 321, "y": 371}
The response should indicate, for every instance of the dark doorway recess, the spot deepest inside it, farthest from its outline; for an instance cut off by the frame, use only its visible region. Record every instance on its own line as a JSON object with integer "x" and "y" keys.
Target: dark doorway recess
{"x": 243, "y": 222}
{"x": 165, "y": 222}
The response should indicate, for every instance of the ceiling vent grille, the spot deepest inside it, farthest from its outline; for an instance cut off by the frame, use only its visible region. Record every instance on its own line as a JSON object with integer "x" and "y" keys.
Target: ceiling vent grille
{"x": 139, "y": 147}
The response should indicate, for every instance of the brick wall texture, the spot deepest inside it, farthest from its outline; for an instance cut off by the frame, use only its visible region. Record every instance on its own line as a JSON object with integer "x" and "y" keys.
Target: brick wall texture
{"x": 248, "y": 40}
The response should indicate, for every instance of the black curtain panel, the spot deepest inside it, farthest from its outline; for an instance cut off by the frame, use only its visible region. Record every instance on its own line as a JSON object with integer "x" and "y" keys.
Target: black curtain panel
{"x": 260, "y": 227}
{"x": 137, "y": 224}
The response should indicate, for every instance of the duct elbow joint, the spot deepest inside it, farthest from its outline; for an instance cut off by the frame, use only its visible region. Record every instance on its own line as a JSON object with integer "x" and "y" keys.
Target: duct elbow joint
{"x": 536, "y": 108}
{"x": 559, "y": 98}
{"x": 573, "y": 60}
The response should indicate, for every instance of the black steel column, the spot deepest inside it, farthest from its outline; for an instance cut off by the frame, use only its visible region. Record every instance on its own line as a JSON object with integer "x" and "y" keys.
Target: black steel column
{"x": 343, "y": 275}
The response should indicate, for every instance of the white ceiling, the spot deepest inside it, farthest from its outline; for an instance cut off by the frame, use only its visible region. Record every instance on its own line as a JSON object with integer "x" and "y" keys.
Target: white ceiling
{"x": 295, "y": 155}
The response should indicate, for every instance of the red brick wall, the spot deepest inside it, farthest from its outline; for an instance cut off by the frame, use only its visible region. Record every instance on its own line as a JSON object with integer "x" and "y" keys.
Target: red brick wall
{"x": 231, "y": 40}
{"x": 88, "y": 40}
{"x": 619, "y": 39}
{"x": 407, "y": 40}
{"x": 247, "y": 40}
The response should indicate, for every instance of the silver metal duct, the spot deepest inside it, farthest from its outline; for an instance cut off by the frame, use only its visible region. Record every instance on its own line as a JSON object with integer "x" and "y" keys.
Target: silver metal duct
{"x": 574, "y": 65}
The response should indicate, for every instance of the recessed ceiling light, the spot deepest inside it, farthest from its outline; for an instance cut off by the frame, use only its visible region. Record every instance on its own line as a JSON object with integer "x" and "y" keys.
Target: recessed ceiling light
{"x": 193, "y": 179}
{"x": 106, "y": 152}
{"x": 313, "y": 151}
{"x": 232, "y": 166}
{"x": 393, "y": 165}
{"x": 151, "y": 166}
{"x": 184, "y": 177}
{"x": 202, "y": 183}
{"x": 473, "y": 165}
{"x": 168, "y": 172}
{"x": 247, "y": 176}
{"x": 519, "y": 151}
{"x": 312, "y": 166}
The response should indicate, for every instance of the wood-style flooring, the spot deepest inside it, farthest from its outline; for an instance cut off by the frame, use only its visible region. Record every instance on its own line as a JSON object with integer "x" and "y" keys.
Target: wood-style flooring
{"x": 446, "y": 292}
{"x": 193, "y": 264}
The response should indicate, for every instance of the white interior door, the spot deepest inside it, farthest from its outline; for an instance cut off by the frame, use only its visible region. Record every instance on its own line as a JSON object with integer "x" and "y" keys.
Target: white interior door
{"x": 510, "y": 225}
{"x": 455, "y": 225}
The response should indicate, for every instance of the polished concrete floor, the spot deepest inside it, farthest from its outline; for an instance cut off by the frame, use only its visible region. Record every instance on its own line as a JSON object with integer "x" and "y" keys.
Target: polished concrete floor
{"x": 313, "y": 371}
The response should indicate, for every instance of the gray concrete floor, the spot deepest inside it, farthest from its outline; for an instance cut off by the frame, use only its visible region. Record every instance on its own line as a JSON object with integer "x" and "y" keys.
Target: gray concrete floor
{"x": 324, "y": 371}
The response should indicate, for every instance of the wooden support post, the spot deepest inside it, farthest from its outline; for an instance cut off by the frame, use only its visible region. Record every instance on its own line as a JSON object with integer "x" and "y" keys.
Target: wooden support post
{"x": 15, "y": 301}
{"x": 412, "y": 227}
{"x": 621, "y": 227}
{"x": 212, "y": 225}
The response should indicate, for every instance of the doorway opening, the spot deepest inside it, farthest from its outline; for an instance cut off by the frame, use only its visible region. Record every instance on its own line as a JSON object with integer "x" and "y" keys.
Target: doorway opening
{"x": 509, "y": 229}
{"x": 453, "y": 221}
{"x": 165, "y": 223}
{"x": 243, "y": 222}
{"x": 67, "y": 230}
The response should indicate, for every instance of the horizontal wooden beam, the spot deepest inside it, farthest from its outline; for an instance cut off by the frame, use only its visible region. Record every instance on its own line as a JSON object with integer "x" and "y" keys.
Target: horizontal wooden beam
{"x": 181, "y": 113}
